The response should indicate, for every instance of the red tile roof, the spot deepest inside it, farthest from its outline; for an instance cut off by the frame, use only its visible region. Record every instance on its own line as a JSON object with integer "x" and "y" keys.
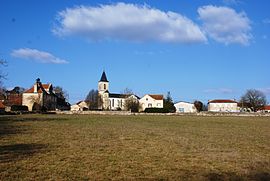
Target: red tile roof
{"x": 222, "y": 101}
{"x": 31, "y": 90}
{"x": 2, "y": 106}
{"x": 266, "y": 107}
{"x": 156, "y": 96}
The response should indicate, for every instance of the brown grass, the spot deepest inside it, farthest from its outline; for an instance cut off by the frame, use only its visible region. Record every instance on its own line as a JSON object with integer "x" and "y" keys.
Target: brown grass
{"x": 88, "y": 147}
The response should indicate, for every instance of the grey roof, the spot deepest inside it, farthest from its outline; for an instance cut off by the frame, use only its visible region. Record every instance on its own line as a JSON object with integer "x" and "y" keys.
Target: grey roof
{"x": 113, "y": 95}
{"x": 103, "y": 77}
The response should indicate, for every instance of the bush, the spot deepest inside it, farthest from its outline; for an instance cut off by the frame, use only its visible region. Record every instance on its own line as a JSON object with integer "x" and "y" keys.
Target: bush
{"x": 156, "y": 110}
{"x": 19, "y": 108}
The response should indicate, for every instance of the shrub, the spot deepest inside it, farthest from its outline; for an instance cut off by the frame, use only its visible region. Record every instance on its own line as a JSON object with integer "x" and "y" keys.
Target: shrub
{"x": 19, "y": 108}
{"x": 156, "y": 110}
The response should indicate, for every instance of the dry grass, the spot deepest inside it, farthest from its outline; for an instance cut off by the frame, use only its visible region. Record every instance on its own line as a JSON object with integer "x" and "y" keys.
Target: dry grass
{"x": 88, "y": 147}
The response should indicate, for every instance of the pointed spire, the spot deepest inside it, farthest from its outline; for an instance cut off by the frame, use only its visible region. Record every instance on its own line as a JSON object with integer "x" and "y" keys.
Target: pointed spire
{"x": 103, "y": 77}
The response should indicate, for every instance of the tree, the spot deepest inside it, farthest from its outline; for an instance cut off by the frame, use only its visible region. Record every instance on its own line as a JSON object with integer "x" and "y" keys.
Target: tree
{"x": 93, "y": 99}
{"x": 60, "y": 93}
{"x": 132, "y": 104}
{"x": 198, "y": 105}
{"x": 168, "y": 104}
{"x": 253, "y": 99}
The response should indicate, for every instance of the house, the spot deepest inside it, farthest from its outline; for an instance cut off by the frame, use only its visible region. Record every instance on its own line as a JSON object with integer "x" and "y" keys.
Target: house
{"x": 185, "y": 107}
{"x": 2, "y": 107}
{"x": 80, "y": 106}
{"x": 151, "y": 101}
{"x": 266, "y": 109}
{"x": 112, "y": 101}
{"x": 223, "y": 105}
{"x": 13, "y": 97}
{"x": 40, "y": 96}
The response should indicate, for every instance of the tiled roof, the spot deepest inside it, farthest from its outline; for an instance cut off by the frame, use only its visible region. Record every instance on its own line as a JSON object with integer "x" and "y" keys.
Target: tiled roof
{"x": 156, "y": 96}
{"x": 222, "y": 101}
{"x": 31, "y": 90}
{"x": 266, "y": 107}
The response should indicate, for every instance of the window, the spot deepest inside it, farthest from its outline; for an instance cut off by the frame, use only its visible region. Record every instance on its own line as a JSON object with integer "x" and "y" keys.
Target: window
{"x": 149, "y": 105}
{"x": 181, "y": 109}
{"x": 147, "y": 99}
{"x": 158, "y": 104}
{"x": 104, "y": 86}
{"x": 112, "y": 102}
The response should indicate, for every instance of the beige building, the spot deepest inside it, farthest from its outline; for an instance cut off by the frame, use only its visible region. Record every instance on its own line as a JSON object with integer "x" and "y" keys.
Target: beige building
{"x": 151, "y": 101}
{"x": 185, "y": 107}
{"x": 223, "y": 105}
{"x": 40, "y": 96}
{"x": 80, "y": 106}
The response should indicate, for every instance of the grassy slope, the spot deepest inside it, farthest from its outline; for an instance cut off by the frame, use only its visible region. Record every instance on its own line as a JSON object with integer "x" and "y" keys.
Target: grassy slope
{"x": 82, "y": 147}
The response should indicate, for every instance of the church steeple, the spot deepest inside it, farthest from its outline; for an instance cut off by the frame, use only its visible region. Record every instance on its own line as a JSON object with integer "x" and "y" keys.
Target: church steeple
{"x": 103, "y": 84}
{"x": 103, "y": 77}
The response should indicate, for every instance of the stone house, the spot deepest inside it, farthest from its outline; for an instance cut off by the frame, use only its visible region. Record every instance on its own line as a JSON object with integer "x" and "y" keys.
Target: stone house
{"x": 223, "y": 105}
{"x": 40, "y": 96}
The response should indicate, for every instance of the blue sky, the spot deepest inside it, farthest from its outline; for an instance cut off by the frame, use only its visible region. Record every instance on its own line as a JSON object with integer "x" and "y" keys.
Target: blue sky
{"x": 194, "y": 49}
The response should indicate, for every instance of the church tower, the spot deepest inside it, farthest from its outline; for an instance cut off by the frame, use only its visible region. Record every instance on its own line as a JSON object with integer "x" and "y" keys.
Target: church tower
{"x": 103, "y": 91}
{"x": 103, "y": 84}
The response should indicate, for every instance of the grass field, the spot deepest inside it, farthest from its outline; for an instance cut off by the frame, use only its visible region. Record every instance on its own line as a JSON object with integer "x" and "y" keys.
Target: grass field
{"x": 89, "y": 147}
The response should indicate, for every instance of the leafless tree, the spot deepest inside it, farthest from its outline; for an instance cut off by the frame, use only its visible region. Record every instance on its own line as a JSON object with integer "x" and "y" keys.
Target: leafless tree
{"x": 253, "y": 99}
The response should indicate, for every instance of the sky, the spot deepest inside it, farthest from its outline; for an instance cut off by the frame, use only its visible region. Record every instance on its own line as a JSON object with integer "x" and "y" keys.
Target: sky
{"x": 197, "y": 50}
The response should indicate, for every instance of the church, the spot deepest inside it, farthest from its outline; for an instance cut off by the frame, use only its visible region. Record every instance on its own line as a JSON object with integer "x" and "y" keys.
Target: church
{"x": 111, "y": 101}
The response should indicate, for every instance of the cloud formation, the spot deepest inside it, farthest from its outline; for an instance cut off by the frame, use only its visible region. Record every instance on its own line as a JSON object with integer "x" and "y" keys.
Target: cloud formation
{"x": 37, "y": 55}
{"x": 129, "y": 22}
{"x": 225, "y": 25}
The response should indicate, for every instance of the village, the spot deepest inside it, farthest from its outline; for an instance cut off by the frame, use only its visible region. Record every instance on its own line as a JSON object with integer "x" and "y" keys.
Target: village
{"x": 43, "y": 98}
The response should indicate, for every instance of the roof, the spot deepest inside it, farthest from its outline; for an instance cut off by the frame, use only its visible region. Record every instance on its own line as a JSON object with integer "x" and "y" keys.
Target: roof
{"x": 266, "y": 107}
{"x": 103, "y": 77}
{"x": 2, "y": 106}
{"x": 118, "y": 95}
{"x": 156, "y": 96}
{"x": 183, "y": 102}
{"x": 113, "y": 95}
{"x": 222, "y": 101}
{"x": 45, "y": 86}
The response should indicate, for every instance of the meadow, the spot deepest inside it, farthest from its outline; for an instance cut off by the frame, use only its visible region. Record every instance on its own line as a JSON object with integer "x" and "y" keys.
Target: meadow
{"x": 96, "y": 147}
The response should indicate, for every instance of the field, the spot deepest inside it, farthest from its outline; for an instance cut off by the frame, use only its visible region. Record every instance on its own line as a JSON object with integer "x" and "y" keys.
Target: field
{"x": 94, "y": 147}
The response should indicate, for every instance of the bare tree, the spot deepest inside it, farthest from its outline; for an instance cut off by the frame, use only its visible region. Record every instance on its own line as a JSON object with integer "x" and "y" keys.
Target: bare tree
{"x": 132, "y": 104}
{"x": 93, "y": 99}
{"x": 60, "y": 93}
{"x": 253, "y": 99}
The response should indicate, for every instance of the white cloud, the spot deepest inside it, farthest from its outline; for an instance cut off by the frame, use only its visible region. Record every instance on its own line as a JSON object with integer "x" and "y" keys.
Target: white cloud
{"x": 225, "y": 25}
{"x": 219, "y": 91}
{"x": 37, "y": 55}
{"x": 130, "y": 22}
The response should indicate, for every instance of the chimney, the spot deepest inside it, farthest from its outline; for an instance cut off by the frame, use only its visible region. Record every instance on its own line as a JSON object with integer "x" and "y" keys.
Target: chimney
{"x": 37, "y": 85}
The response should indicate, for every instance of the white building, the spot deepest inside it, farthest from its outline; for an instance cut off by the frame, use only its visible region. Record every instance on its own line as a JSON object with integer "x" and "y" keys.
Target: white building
{"x": 151, "y": 101}
{"x": 185, "y": 107}
{"x": 223, "y": 105}
{"x": 40, "y": 96}
{"x": 79, "y": 106}
{"x": 112, "y": 101}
